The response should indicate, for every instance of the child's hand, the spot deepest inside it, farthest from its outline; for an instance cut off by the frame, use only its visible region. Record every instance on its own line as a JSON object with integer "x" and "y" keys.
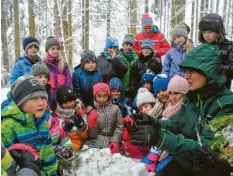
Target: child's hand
{"x": 128, "y": 120}
{"x": 114, "y": 147}
{"x": 91, "y": 118}
{"x": 114, "y": 53}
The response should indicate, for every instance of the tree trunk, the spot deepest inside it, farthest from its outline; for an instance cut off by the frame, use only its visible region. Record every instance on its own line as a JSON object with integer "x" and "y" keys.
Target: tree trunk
{"x": 57, "y": 20}
{"x": 224, "y": 16}
{"x": 146, "y": 6}
{"x": 4, "y": 28}
{"x": 86, "y": 44}
{"x": 202, "y": 9}
{"x": 83, "y": 25}
{"x": 133, "y": 17}
{"x": 108, "y": 18}
{"x": 192, "y": 21}
{"x": 70, "y": 34}
{"x": 31, "y": 18}
{"x": 16, "y": 26}
{"x": 217, "y": 6}
{"x": 178, "y": 11}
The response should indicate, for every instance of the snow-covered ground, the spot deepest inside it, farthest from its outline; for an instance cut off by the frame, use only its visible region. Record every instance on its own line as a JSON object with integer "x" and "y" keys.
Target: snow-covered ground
{"x": 4, "y": 92}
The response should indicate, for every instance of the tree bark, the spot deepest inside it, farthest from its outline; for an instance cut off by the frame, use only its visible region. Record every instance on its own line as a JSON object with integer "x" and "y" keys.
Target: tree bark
{"x": 31, "y": 18}
{"x": 57, "y": 20}
{"x": 108, "y": 18}
{"x": 16, "y": 26}
{"x": 86, "y": 44}
{"x": 70, "y": 34}
{"x": 133, "y": 17}
{"x": 146, "y": 6}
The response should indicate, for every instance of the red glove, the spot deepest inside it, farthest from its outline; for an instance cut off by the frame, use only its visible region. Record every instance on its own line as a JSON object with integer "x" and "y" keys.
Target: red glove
{"x": 154, "y": 158}
{"x": 114, "y": 147}
{"x": 92, "y": 116}
{"x": 128, "y": 120}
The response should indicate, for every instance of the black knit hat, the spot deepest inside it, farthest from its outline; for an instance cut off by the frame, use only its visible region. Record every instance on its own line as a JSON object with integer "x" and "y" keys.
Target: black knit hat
{"x": 51, "y": 41}
{"x": 64, "y": 94}
{"x": 40, "y": 69}
{"x": 86, "y": 56}
{"x": 29, "y": 41}
{"x": 26, "y": 88}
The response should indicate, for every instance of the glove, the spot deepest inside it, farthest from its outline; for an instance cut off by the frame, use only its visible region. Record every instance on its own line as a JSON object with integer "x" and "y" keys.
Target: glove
{"x": 62, "y": 151}
{"x": 92, "y": 117}
{"x": 114, "y": 147}
{"x": 128, "y": 120}
{"x": 154, "y": 159}
{"x": 26, "y": 157}
{"x": 144, "y": 119}
{"x": 75, "y": 121}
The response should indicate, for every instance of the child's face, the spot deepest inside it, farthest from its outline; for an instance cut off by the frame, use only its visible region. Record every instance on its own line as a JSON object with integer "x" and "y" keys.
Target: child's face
{"x": 90, "y": 66}
{"x": 36, "y": 106}
{"x": 148, "y": 85}
{"x": 69, "y": 105}
{"x": 32, "y": 51}
{"x": 43, "y": 79}
{"x": 179, "y": 40}
{"x": 54, "y": 51}
{"x": 209, "y": 36}
{"x": 101, "y": 97}
{"x": 175, "y": 97}
{"x": 148, "y": 29}
{"x": 127, "y": 47}
{"x": 145, "y": 108}
{"x": 146, "y": 52}
{"x": 112, "y": 50}
{"x": 163, "y": 96}
{"x": 115, "y": 93}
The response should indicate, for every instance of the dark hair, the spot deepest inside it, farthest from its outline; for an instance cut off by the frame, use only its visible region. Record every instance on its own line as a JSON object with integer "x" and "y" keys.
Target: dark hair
{"x": 220, "y": 37}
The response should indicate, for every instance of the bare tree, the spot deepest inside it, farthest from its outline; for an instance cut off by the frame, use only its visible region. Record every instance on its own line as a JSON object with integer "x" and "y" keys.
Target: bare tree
{"x": 133, "y": 17}
{"x": 16, "y": 26}
{"x": 146, "y": 6}
{"x": 86, "y": 44}
{"x": 108, "y": 18}
{"x": 70, "y": 44}
{"x": 31, "y": 18}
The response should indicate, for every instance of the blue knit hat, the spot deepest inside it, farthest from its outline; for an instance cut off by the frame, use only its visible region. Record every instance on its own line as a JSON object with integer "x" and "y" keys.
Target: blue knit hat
{"x": 148, "y": 76}
{"x": 160, "y": 82}
{"x": 111, "y": 42}
{"x": 116, "y": 83}
{"x": 147, "y": 44}
{"x": 29, "y": 41}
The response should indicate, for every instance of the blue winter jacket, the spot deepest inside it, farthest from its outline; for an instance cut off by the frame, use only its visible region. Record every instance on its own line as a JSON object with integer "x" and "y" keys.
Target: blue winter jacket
{"x": 172, "y": 60}
{"x": 21, "y": 67}
{"x": 83, "y": 82}
{"x": 122, "y": 102}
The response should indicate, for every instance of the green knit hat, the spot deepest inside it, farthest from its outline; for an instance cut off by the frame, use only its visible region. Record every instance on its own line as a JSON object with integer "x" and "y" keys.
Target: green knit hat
{"x": 40, "y": 69}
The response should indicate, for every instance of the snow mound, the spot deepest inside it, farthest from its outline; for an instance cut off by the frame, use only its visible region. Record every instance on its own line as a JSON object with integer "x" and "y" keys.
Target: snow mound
{"x": 101, "y": 162}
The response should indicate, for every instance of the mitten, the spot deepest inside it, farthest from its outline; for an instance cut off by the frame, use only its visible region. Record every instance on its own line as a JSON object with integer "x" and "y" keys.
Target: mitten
{"x": 92, "y": 117}
{"x": 128, "y": 120}
{"x": 114, "y": 147}
{"x": 79, "y": 123}
{"x": 67, "y": 125}
{"x": 154, "y": 159}
{"x": 26, "y": 157}
{"x": 62, "y": 151}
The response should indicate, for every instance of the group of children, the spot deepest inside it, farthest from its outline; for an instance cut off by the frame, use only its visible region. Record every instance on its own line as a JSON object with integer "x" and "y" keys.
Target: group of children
{"x": 94, "y": 106}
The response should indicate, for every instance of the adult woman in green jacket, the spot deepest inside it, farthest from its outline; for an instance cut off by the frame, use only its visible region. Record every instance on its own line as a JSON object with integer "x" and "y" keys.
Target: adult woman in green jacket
{"x": 207, "y": 99}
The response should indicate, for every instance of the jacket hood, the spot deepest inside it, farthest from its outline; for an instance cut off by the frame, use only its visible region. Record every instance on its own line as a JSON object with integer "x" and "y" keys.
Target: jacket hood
{"x": 116, "y": 83}
{"x": 206, "y": 59}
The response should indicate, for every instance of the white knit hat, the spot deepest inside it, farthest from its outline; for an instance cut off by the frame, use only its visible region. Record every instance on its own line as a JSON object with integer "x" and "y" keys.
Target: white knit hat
{"x": 178, "y": 84}
{"x": 144, "y": 96}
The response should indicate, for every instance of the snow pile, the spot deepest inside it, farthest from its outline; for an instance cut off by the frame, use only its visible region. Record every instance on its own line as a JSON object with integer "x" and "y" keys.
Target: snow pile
{"x": 100, "y": 162}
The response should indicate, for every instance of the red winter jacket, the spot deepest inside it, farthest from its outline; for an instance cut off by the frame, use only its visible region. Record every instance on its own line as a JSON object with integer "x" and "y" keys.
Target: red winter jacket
{"x": 161, "y": 45}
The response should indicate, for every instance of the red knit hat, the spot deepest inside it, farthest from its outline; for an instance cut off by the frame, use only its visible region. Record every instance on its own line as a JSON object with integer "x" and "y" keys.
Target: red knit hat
{"x": 101, "y": 87}
{"x": 146, "y": 20}
{"x": 178, "y": 84}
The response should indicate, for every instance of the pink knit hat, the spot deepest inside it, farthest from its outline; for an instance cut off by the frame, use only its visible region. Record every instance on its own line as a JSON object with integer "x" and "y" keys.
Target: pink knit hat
{"x": 178, "y": 84}
{"x": 101, "y": 87}
{"x": 146, "y": 20}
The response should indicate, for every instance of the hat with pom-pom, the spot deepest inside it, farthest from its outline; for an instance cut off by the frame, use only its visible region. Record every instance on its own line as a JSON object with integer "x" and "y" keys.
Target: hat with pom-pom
{"x": 178, "y": 84}
{"x": 146, "y": 20}
{"x": 52, "y": 41}
{"x": 160, "y": 82}
{"x": 144, "y": 96}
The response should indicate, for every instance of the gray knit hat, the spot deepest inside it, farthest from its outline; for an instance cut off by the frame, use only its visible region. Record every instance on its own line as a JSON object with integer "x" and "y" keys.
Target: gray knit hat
{"x": 128, "y": 39}
{"x": 40, "y": 69}
{"x": 51, "y": 41}
{"x": 147, "y": 43}
{"x": 86, "y": 56}
{"x": 179, "y": 30}
{"x": 26, "y": 88}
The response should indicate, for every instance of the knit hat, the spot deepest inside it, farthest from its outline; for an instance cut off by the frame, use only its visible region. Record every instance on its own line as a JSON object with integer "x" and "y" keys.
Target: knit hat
{"x": 29, "y": 41}
{"x": 212, "y": 22}
{"x": 101, "y": 87}
{"x": 147, "y": 44}
{"x": 116, "y": 83}
{"x": 146, "y": 20}
{"x": 160, "y": 82}
{"x": 144, "y": 96}
{"x": 86, "y": 56}
{"x": 40, "y": 69}
{"x": 51, "y": 41}
{"x": 111, "y": 42}
{"x": 179, "y": 30}
{"x": 178, "y": 84}
{"x": 65, "y": 93}
{"x": 128, "y": 39}
{"x": 26, "y": 88}
{"x": 148, "y": 76}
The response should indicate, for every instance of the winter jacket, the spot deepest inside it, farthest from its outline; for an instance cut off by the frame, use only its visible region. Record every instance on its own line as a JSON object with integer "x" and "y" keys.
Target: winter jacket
{"x": 19, "y": 127}
{"x": 129, "y": 62}
{"x": 8, "y": 165}
{"x": 21, "y": 67}
{"x": 139, "y": 68}
{"x": 57, "y": 78}
{"x": 83, "y": 82}
{"x": 197, "y": 109}
{"x": 71, "y": 140}
{"x": 110, "y": 68}
{"x": 172, "y": 60}
{"x": 108, "y": 128}
{"x": 160, "y": 43}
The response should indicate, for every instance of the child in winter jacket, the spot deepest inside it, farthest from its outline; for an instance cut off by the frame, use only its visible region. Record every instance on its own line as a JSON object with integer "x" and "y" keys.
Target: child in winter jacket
{"x": 146, "y": 61}
{"x": 129, "y": 56}
{"x": 180, "y": 46}
{"x": 85, "y": 76}
{"x": 59, "y": 70}
{"x": 212, "y": 31}
{"x": 41, "y": 72}
{"x": 109, "y": 63}
{"x": 68, "y": 128}
{"x": 24, "y": 63}
{"x": 117, "y": 93}
{"x": 105, "y": 121}
{"x": 24, "y": 120}
{"x": 147, "y": 80}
